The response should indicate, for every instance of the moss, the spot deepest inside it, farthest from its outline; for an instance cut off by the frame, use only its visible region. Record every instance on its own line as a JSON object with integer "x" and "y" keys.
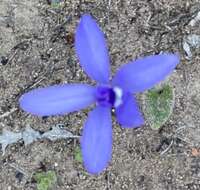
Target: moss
{"x": 56, "y": 4}
{"x": 78, "y": 155}
{"x": 45, "y": 180}
{"x": 158, "y": 103}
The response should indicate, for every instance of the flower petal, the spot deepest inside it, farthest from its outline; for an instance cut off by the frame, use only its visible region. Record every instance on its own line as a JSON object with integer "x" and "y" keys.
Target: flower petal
{"x": 143, "y": 74}
{"x": 128, "y": 114}
{"x": 58, "y": 99}
{"x": 96, "y": 141}
{"x": 91, "y": 49}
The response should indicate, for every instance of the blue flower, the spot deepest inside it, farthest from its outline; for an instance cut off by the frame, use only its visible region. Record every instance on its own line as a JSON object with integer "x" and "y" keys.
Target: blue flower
{"x": 131, "y": 78}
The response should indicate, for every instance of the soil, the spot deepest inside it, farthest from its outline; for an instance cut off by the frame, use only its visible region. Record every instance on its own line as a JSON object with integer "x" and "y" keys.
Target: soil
{"x": 37, "y": 49}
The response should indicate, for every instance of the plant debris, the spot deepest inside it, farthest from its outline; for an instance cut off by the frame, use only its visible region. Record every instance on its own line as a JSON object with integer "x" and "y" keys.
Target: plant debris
{"x": 195, "y": 20}
{"x": 58, "y": 133}
{"x": 30, "y": 135}
{"x": 191, "y": 41}
{"x": 8, "y": 138}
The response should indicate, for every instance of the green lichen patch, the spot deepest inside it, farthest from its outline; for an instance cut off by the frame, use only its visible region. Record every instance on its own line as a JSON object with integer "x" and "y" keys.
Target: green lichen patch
{"x": 56, "y": 4}
{"x": 78, "y": 155}
{"x": 45, "y": 180}
{"x": 158, "y": 105}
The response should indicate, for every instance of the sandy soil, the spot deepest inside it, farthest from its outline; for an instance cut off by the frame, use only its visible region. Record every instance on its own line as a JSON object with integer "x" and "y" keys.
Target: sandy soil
{"x": 36, "y": 49}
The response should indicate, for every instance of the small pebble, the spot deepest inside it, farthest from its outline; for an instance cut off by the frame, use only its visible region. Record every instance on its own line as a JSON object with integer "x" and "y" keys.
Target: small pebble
{"x": 19, "y": 176}
{"x": 4, "y": 60}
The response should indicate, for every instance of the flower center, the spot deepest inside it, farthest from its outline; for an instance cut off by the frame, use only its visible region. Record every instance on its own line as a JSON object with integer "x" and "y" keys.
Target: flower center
{"x": 107, "y": 96}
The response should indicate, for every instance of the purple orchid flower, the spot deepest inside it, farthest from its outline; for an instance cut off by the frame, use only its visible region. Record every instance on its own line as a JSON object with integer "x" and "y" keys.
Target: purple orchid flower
{"x": 136, "y": 76}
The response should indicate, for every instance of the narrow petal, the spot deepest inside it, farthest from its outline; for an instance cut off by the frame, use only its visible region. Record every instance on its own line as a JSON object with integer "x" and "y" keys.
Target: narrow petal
{"x": 96, "y": 141}
{"x": 128, "y": 114}
{"x": 143, "y": 74}
{"x": 58, "y": 99}
{"x": 91, "y": 49}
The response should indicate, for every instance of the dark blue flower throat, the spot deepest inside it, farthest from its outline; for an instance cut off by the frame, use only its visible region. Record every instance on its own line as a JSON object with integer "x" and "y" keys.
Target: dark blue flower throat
{"x": 108, "y": 96}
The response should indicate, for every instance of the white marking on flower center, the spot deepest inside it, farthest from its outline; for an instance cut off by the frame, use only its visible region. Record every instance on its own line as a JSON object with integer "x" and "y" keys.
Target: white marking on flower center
{"x": 118, "y": 96}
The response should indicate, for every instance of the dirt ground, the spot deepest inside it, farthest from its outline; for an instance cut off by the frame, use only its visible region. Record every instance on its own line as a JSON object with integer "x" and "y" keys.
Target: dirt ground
{"x": 36, "y": 49}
